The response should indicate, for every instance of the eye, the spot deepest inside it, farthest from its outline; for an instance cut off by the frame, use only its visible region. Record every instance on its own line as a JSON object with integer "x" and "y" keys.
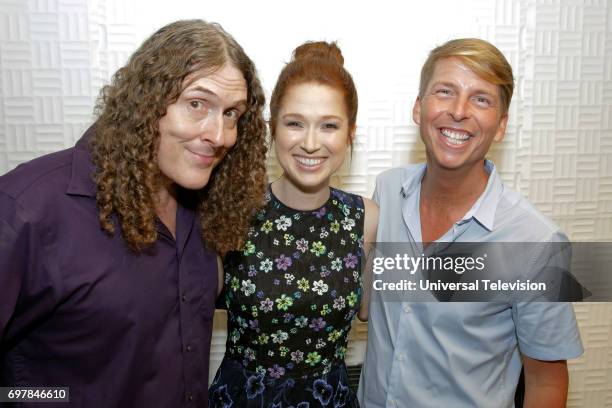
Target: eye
{"x": 331, "y": 126}
{"x": 233, "y": 114}
{"x": 443, "y": 91}
{"x": 293, "y": 124}
{"x": 482, "y": 101}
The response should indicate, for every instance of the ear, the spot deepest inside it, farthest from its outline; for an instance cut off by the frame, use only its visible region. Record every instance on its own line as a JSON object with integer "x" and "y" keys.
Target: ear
{"x": 416, "y": 111}
{"x": 501, "y": 130}
{"x": 351, "y": 136}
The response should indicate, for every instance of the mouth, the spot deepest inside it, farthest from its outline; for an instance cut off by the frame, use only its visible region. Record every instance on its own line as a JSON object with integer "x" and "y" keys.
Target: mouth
{"x": 203, "y": 158}
{"x": 455, "y": 137}
{"x": 310, "y": 163}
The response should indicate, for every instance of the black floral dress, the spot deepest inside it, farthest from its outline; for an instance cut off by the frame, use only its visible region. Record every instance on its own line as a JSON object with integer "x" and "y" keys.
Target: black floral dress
{"x": 291, "y": 294}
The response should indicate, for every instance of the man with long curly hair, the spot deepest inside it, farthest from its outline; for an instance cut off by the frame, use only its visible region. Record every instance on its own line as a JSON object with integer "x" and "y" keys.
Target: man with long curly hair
{"x": 108, "y": 250}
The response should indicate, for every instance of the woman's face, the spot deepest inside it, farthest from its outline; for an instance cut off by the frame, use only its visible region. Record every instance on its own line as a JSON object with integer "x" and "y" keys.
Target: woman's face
{"x": 312, "y": 135}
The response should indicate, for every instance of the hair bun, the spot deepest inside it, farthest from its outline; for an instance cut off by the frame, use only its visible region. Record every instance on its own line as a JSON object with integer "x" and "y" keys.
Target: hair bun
{"x": 319, "y": 50}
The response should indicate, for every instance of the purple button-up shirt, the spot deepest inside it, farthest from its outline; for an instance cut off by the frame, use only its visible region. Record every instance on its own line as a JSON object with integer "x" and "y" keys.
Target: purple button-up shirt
{"x": 79, "y": 309}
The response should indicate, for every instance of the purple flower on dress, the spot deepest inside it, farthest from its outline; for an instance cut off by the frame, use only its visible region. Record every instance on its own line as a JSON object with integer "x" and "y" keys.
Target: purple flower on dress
{"x": 254, "y": 386}
{"x": 350, "y": 260}
{"x": 275, "y": 371}
{"x": 260, "y": 294}
{"x": 297, "y": 356}
{"x": 266, "y": 305}
{"x": 253, "y": 324}
{"x": 317, "y": 324}
{"x": 341, "y": 395}
{"x": 287, "y": 317}
{"x": 220, "y": 398}
{"x": 283, "y": 262}
{"x": 276, "y": 282}
{"x": 322, "y": 391}
{"x": 320, "y": 213}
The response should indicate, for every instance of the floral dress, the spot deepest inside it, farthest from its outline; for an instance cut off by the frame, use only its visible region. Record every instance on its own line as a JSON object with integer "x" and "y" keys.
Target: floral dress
{"x": 291, "y": 294}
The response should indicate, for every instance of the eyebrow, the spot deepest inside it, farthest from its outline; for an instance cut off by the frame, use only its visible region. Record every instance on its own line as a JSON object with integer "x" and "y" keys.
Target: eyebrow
{"x": 239, "y": 103}
{"x": 452, "y": 85}
{"x": 300, "y": 116}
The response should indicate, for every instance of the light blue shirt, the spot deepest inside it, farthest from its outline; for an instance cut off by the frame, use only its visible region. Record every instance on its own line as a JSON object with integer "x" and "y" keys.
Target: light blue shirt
{"x": 459, "y": 354}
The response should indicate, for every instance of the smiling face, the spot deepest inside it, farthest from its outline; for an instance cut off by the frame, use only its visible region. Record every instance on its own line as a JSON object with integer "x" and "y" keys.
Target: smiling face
{"x": 200, "y": 127}
{"x": 312, "y": 135}
{"x": 459, "y": 115}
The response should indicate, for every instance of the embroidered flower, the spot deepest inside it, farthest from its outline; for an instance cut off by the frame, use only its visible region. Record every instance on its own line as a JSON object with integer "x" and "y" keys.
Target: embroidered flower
{"x": 322, "y": 391}
{"x": 297, "y": 356}
{"x": 266, "y": 305}
{"x": 266, "y": 265}
{"x": 283, "y": 223}
{"x": 350, "y": 260}
{"x": 303, "y": 284}
{"x": 336, "y": 264}
{"x": 279, "y": 337}
{"x": 302, "y": 245}
{"x": 267, "y": 226}
{"x": 220, "y": 398}
{"x": 248, "y": 248}
{"x": 317, "y": 248}
{"x": 313, "y": 358}
{"x": 284, "y": 302}
{"x": 339, "y": 303}
{"x": 289, "y": 278}
{"x": 347, "y": 223}
{"x": 317, "y": 324}
{"x": 319, "y": 287}
{"x": 275, "y": 371}
{"x": 283, "y": 262}
{"x": 247, "y": 287}
{"x": 254, "y": 386}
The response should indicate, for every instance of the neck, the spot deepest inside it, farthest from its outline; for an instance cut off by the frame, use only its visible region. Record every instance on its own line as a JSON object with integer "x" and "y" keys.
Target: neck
{"x": 453, "y": 188}
{"x": 300, "y": 198}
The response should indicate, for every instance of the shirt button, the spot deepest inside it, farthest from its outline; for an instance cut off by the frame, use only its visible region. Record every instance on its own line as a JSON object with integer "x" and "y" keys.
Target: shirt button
{"x": 188, "y": 348}
{"x": 190, "y": 397}
{"x": 393, "y": 402}
{"x": 407, "y": 309}
{"x": 184, "y": 298}
{"x": 401, "y": 357}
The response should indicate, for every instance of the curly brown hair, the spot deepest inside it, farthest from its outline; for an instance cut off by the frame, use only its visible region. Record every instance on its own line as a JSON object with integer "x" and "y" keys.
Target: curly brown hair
{"x": 124, "y": 147}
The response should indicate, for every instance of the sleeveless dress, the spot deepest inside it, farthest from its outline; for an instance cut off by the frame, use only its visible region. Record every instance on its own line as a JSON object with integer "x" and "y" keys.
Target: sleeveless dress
{"x": 291, "y": 295}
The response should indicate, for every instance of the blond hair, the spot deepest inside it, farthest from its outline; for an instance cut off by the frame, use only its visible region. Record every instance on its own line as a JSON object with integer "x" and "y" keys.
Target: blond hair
{"x": 481, "y": 57}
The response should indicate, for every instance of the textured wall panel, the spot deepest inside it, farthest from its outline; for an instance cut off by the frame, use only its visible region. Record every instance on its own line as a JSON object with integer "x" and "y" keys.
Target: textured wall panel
{"x": 55, "y": 55}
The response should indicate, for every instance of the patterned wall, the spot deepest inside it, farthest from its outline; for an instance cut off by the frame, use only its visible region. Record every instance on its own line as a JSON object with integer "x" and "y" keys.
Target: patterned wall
{"x": 56, "y": 54}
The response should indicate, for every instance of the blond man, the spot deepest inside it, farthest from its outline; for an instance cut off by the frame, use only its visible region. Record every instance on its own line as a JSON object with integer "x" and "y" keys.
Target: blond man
{"x": 463, "y": 354}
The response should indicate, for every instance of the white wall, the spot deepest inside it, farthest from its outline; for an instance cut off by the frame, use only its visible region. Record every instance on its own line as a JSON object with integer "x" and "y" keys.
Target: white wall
{"x": 56, "y": 54}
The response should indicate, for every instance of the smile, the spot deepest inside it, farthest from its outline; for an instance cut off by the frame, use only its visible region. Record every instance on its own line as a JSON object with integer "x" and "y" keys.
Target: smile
{"x": 309, "y": 161}
{"x": 456, "y": 137}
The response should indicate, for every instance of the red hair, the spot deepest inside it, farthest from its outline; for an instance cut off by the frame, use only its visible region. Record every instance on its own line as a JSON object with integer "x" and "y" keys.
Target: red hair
{"x": 320, "y": 62}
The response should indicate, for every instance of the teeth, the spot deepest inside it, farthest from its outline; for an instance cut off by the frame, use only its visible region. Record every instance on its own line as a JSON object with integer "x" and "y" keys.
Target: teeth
{"x": 306, "y": 161}
{"x": 455, "y": 137}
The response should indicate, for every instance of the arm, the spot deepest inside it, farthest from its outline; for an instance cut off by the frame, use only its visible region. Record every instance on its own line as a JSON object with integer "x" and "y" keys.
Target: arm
{"x": 13, "y": 260}
{"x": 546, "y": 383}
{"x": 370, "y": 228}
{"x": 219, "y": 275}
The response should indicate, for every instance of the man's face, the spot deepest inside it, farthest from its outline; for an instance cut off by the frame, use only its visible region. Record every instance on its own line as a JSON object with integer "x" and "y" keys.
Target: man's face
{"x": 200, "y": 127}
{"x": 459, "y": 116}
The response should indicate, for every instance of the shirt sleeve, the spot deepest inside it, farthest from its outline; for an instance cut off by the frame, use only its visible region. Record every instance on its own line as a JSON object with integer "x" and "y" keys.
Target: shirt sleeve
{"x": 548, "y": 331}
{"x": 13, "y": 259}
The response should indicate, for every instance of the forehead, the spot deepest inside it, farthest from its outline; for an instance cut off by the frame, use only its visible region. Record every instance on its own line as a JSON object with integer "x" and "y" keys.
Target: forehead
{"x": 226, "y": 82}
{"x": 314, "y": 99}
{"x": 455, "y": 71}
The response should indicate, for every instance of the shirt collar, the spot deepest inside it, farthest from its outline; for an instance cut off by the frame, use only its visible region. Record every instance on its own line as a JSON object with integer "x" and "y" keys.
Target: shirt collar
{"x": 83, "y": 169}
{"x": 483, "y": 209}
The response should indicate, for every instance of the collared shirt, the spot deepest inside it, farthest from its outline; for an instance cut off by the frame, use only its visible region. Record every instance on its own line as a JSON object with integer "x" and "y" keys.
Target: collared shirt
{"x": 79, "y": 309}
{"x": 459, "y": 354}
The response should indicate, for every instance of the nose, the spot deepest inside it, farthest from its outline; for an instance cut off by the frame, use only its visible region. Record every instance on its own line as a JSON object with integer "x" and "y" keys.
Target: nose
{"x": 214, "y": 131}
{"x": 311, "y": 143}
{"x": 459, "y": 110}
